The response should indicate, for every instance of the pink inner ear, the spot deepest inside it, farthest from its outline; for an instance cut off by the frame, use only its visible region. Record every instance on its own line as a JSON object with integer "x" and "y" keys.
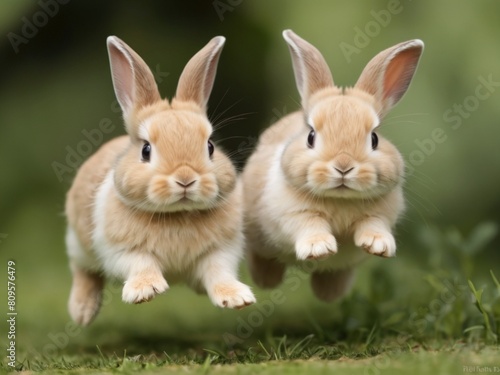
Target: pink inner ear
{"x": 399, "y": 73}
{"x": 123, "y": 78}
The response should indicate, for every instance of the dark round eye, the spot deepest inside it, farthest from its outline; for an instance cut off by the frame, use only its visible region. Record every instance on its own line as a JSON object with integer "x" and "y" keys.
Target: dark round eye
{"x": 211, "y": 148}
{"x": 374, "y": 140}
{"x": 146, "y": 152}
{"x": 310, "y": 138}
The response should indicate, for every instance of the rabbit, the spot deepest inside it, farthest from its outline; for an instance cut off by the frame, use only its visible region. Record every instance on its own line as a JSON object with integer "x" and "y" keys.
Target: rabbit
{"x": 324, "y": 176}
{"x": 162, "y": 201}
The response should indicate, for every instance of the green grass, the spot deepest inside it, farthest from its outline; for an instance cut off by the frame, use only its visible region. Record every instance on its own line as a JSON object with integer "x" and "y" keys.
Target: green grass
{"x": 404, "y": 316}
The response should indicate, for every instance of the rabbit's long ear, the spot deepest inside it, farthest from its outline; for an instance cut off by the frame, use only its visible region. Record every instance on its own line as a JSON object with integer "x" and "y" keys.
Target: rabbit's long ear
{"x": 388, "y": 75}
{"x": 309, "y": 66}
{"x": 133, "y": 81}
{"x": 197, "y": 78}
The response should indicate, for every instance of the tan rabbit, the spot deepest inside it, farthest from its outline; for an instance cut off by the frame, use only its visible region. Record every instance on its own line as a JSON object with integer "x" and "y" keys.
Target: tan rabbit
{"x": 323, "y": 176}
{"x": 162, "y": 202}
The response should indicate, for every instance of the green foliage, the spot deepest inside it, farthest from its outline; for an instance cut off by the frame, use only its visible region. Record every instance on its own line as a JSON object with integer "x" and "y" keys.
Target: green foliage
{"x": 489, "y": 308}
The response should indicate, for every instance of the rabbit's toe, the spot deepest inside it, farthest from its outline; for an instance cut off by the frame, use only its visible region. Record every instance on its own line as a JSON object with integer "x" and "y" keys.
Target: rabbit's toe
{"x": 143, "y": 288}
{"x": 381, "y": 244}
{"x": 316, "y": 246}
{"x": 235, "y": 295}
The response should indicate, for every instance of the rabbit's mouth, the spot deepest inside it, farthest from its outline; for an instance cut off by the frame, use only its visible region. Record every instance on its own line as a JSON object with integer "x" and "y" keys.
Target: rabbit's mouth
{"x": 342, "y": 190}
{"x": 189, "y": 201}
{"x": 185, "y": 204}
{"x": 342, "y": 186}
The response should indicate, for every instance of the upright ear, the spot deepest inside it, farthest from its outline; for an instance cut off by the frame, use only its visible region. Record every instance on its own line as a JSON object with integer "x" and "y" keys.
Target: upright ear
{"x": 388, "y": 75}
{"x": 197, "y": 78}
{"x": 133, "y": 81}
{"x": 310, "y": 68}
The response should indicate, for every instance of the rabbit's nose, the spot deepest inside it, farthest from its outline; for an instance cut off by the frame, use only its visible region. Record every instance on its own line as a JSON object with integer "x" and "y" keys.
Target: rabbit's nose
{"x": 343, "y": 163}
{"x": 185, "y": 177}
{"x": 185, "y": 184}
{"x": 344, "y": 171}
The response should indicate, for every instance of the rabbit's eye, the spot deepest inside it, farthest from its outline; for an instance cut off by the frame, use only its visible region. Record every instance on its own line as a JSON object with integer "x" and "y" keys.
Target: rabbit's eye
{"x": 310, "y": 138}
{"x": 374, "y": 140}
{"x": 211, "y": 148}
{"x": 146, "y": 152}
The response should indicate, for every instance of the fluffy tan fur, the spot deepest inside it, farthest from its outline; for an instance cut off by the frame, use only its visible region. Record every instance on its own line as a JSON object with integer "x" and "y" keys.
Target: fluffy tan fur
{"x": 302, "y": 199}
{"x": 177, "y": 215}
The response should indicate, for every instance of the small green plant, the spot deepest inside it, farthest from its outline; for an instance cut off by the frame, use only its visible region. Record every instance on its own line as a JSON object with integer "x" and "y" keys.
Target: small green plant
{"x": 453, "y": 254}
{"x": 490, "y": 311}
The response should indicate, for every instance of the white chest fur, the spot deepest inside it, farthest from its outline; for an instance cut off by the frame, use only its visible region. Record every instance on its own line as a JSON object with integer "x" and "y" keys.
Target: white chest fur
{"x": 280, "y": 199}
{"x": 174, "y": 241}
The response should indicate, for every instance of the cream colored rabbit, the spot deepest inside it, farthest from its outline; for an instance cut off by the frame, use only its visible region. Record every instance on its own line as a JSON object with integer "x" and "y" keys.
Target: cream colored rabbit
{"x": 162, "y": 202}
{"x": 323, "y": 180}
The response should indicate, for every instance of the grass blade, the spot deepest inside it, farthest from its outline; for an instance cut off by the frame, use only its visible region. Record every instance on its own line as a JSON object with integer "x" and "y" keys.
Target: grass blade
{"x": 301, "y": 345}
{"x": 478, "y": 295}
{"x": 495, "y": 280}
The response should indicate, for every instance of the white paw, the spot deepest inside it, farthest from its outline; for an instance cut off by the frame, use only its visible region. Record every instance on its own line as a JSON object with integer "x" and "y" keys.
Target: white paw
{"x": 316, "y": 246}
{"x": 233, "y": 295}
{"x": 377, "y": 243}
{"x": 143, "y": 288}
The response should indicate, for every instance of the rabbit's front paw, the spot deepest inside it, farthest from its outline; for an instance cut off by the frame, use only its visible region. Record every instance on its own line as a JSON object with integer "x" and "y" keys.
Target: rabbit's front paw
{"x": 377, "y": 243}
{"x": 143, "y": 288}
{"x": 316, "y": 246}
{"x": 234, "y": 295}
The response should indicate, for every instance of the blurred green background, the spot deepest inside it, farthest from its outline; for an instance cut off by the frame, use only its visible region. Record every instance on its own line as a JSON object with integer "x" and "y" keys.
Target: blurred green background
{"x": 55, "y": 83}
